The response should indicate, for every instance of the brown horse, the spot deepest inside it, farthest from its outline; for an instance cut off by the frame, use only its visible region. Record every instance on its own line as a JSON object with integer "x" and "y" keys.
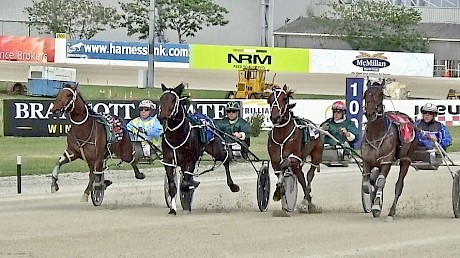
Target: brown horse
{"x": 287, "y": 149}
{"x": 381, "y": 146}
{"x": 87, "y": 140}
{"x": 182, "y": 147}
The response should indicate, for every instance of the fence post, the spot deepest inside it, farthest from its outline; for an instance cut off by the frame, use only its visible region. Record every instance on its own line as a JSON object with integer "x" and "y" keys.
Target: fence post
{"x": 18, "y": 173}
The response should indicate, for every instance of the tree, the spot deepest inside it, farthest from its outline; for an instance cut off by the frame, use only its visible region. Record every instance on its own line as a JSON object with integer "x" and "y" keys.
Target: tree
{"x": 136, "y": 18}
{"x": 380, "y": 26}
{"x": 81, "y": 19}
{"x": 186, "y": 17}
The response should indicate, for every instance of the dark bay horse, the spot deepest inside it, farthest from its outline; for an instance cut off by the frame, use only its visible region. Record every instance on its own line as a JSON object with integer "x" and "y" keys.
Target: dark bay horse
{"x": 87, "y": 140}
{"x": 287, "y": 149}
{"x": 382, "y": 145}
{"x": 182, "y": 147}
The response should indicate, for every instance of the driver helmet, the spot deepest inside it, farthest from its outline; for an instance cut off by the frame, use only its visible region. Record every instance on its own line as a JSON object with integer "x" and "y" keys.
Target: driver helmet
{"x": 338, "y": 105}
{"x": 429, "y": 107}
{"x": 146, "y": 103}
{"x": 232, "y": 106}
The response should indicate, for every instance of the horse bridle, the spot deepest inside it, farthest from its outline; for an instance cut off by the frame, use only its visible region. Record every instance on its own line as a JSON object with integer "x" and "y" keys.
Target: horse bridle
{"x": 72, "y": 103}
{"x": 275, "y": 103}
{"x": 276, "y": 94}
{"x": 171, "y": 116}
{"x": 379, "y": 107}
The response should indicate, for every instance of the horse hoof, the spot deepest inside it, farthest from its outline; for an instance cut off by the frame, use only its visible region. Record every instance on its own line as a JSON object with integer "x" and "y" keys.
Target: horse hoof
{"x": 54, "y": 188}
{"x": 365, "y": 189}
{"x": 172, "y": 212}
{"x": 107, "y": 183}
{"x": 277, "y": 194}
{"x": 84, "y": 198}
{"x": 313, "y": 209}
{"x": 375, "y": 207}
{"x": 389, "y": 218}
{"x": 140, "y": 176}
{"x": 281, "y": 213}
{"x": 234, "y": 188}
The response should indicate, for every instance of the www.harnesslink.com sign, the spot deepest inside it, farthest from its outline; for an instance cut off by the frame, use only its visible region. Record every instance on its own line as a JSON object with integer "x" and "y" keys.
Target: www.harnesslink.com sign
{"x": 33, "y": 118}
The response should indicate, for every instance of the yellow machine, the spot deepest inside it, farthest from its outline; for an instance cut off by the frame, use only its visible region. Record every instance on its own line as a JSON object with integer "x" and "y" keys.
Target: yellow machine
{"x": 251, "y": 84}
{"x": 453, "y": 94}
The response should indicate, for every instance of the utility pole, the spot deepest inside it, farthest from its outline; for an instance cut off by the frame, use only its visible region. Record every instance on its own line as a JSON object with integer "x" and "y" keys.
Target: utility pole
{"x": 151, "y": 63}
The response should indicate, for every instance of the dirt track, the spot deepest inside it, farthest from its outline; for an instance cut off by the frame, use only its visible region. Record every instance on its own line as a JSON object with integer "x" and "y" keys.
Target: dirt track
{"x": 133, "y": 220}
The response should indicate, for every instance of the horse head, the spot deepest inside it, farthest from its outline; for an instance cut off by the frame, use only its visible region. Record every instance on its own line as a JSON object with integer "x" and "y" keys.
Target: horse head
{"x": 279, "y": 104}
{"x": 170, "y": 102}
{"x": 373, "y": 98}
{"x": 65, "y": 99}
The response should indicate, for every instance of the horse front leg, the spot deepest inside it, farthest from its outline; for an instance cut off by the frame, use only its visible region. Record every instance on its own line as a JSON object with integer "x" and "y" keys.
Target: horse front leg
{"x": 172, "y": 189}
{"x": 233, "y": 187}
{"x": 380, "y": 185}
{"x": 220, "y": 153}
{"x": 65, "y": 158}
{"x": 316, "y": 156}
{"x": 133, "y": 159}
{"x": 404, "y": 167}
{"x": 84, "y": 197}
{"x": 279, "y": 184}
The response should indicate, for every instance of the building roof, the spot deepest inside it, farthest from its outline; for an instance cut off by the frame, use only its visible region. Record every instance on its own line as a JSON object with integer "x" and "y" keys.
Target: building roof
{"x": 311, "y": 25}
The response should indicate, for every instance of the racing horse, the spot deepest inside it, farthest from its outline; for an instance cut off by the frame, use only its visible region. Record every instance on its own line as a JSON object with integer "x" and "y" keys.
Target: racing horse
{"x": 287, "y": 149}
{"x": 182, "y": 146}
{"x": 389, "y": 136}
{"x": 87, "y": 140}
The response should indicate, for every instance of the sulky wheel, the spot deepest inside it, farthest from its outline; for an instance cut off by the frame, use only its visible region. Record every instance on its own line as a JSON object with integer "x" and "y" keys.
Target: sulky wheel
{"x": 289, "y": 196}
{"x": 263, "y": 188}
{"x": 166, "y": 190}
{"x": 186, "y": 197}
{"x": 456, "y": 195}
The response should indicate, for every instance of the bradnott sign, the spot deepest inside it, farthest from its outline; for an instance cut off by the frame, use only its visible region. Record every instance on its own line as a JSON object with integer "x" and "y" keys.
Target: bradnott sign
{"x": 33, "y": 118}
{"x": 371, "y": 62}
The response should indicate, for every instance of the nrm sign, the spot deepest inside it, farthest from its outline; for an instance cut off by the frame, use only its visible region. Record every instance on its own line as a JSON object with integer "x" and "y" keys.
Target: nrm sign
{"x": 249, "y": 59}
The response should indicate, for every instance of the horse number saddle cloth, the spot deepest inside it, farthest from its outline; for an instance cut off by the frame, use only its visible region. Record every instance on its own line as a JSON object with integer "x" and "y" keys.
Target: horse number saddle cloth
{"x": 112, "y": 126}
{"x": 201, "y": 120}
{"x": 308, "y": 133}
{"x": 405, "y": 127}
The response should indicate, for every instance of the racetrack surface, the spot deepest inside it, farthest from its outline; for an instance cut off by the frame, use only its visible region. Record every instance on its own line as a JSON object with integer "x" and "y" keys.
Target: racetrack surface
{"x": 133, "y": 219}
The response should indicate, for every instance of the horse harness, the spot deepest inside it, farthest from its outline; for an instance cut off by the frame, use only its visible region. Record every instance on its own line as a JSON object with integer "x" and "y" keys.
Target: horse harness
{"x": 190, "y": 128}
{"x": 291, "y": 133}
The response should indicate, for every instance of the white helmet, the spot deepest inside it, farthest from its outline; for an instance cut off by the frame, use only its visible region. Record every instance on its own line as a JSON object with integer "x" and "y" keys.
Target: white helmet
{"x": 429, "y": 107}
{"x": 146, "y": 103}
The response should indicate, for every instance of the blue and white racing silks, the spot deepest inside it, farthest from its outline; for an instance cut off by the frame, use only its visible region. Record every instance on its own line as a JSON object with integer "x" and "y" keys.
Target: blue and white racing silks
{"x": 149, "y": 129}
{"x": 435, "y": 128}
{"x": 129, "y": 51}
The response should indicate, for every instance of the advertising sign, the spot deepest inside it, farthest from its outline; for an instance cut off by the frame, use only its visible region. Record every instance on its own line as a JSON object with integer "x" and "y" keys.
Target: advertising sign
{"x": 354, "y": 94}
{"x": 33, "y": 117}
{"x": 129, "y": 51}
{"x": 238, "y": 57}
{"x": 371, "y": 62}
{"x": 26, "y": 49}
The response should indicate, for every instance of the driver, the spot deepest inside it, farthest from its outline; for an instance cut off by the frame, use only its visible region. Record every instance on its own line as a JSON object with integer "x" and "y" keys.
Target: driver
{"x": 234, "y": 125}
{"x": 340, "y": 127}
{"x": 145, "y": 128}
{"x": 432, "y": 131}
